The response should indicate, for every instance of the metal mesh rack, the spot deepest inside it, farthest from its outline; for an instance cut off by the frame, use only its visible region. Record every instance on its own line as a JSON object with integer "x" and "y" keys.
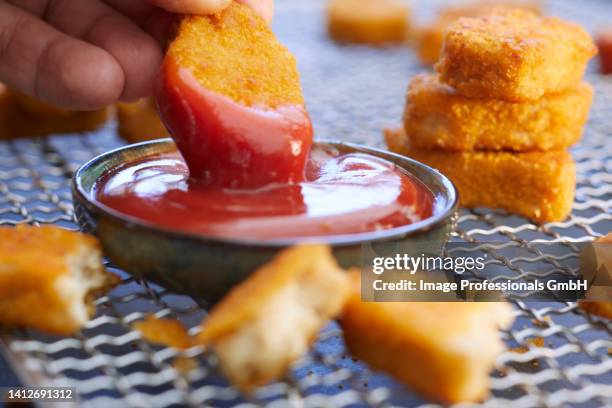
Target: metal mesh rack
{"x": 352, "y": 92}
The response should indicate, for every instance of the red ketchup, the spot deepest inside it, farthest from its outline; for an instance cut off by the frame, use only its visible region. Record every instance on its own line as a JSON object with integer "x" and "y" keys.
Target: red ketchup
{"x": 341, "y": 193}
{"x": 604, "y": 44}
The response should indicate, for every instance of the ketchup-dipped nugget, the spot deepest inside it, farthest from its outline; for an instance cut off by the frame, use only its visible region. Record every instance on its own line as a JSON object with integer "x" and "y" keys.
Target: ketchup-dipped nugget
{"x": 230, "y": 96}
{"x": 431, "y": 37}
{"x": 444, "y": 351}
{"x": 49, "y": 277}
{"x": 514, "y": 55}
{"x": 22, "y": 116}
{"x": 139, "y": 121}
{"x": 604, "y": 43}
{"x": 375, "y": 22}
{"x": 437, "y": 117}
{"x": 536, "y": 185}
{"x": 270, "y": 320}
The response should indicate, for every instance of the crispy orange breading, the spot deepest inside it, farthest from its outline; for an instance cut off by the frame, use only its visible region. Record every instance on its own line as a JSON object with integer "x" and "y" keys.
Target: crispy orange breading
{"x": 270, "y": 320}
{"x": 368, "y": 22}
{"x": 236, "y": 54}
{"x": 536, "y": 185}
{"x": 49, "y": 277}
{"x": 431, "y": 37}
{"x": 444, "y": 351}
{"x": 165, "y": 332}
{"x": 139, "y": 121}
{"x": 599, "y": 307}
{"x": 514, "y": 55}
{"x": 436, "y": 116}
{"x": 21, "y": 116}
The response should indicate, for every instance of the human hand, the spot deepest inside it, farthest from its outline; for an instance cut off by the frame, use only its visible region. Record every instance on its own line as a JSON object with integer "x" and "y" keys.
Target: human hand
{"x": 88, "y": 54}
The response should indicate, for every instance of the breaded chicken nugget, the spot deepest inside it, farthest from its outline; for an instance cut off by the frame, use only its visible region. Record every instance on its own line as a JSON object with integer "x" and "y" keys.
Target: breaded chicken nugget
{"x": 537, "y": 185}
{"x": 22, "y": 116}
{"x": 444, "y": 351}
{"x": 603, "y": 309}
{"x": 138, "y": 121}
{"x": 49, "y": 277}
{"x": 436, "y": 116}
{"x": 270, "y": 320}
{"x": 375, "y": 22}
{"x": 600, "y": 307}
{"x": 514, "y": 55}
{"x": 431, "y": 37}
{"x": 236, "y": 54}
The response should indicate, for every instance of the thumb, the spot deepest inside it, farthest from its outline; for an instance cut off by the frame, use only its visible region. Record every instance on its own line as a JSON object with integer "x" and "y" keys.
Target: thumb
{"x": 265, "y": 8}
{"x": 192, "y": 6}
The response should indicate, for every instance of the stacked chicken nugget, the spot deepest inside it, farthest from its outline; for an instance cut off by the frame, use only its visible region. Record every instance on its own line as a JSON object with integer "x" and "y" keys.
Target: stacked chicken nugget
{"x": 507, "y": 102}
{"x": 430, "y": 37}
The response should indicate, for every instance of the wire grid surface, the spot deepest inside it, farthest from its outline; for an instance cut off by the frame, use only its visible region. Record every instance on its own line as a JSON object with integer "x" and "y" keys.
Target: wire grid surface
{"x": 352, "y": 93}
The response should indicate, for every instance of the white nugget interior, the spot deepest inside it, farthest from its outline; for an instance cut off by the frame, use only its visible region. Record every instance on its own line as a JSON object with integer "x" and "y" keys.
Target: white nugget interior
{"x": 266, "y": 346}
{"x": 85, "y": 275}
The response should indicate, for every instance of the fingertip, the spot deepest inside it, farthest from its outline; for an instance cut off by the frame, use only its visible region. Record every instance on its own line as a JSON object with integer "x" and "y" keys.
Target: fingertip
{"x": 140, "y": 63}
{"x": 138, "y": 53}
{"x": 78, "y": 75}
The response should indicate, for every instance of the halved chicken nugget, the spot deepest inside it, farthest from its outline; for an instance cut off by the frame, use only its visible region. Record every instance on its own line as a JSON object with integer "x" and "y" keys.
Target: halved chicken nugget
{"x": 437, "y": 117}
{"x": 139, "y": 121}
{"x": 49, "y": 278}
{"x": 270, "y": 320}
{"x": 368, "y": 22}
{"x": 537, "y": 185}
{"x": 514, "y": 55}
{"x": 444, "y": 351}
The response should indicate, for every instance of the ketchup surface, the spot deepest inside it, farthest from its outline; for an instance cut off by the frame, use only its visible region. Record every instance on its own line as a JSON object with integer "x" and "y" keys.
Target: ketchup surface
{"x": 342, "y": 193}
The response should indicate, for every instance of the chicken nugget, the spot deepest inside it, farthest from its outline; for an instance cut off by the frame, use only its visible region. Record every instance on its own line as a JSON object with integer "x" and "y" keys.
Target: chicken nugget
{"x": 431, "y": 36}
{"x": 436, "y": 116}
{"x": 22, "y": 116}
{"x": 270, "y": 320}
{"x": 444, "y": 351}
{"x": 229, "y": 94}
{"x": 49, "y": 277}
{"x": 375, "y": 22}
{"x": 138, "y": 121}
{"x": 599, "y": 307}
{"x": 514, "y": 55}
{"x": 537, "y": 185}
